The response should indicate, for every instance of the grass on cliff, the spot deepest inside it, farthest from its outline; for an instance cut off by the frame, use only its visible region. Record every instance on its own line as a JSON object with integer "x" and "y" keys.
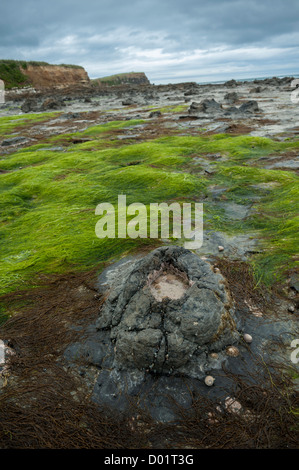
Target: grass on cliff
{"x": 48, "y": 207}
{"x": 117, "y": 79}
{"x": 11, "y": 73}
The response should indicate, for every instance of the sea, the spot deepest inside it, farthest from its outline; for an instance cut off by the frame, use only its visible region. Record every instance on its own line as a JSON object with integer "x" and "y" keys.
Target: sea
{"x": 219, "y": 82}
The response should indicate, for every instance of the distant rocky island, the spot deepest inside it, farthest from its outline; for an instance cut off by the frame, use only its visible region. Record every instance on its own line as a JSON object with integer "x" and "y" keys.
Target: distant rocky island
{"x": 131, "y": 78}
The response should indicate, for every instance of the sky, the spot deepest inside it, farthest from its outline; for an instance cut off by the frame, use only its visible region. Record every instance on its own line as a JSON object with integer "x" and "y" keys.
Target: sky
{"x": 170, "y": 40}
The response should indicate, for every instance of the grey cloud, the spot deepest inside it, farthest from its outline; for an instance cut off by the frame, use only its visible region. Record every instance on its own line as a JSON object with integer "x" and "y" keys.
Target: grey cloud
{"x": 101, "y": 30}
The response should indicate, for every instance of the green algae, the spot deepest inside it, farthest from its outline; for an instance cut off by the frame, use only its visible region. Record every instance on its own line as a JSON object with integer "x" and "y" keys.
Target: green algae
{"x": 47, "y": 210}
{"x": 48, "y": 206}
{"x": 9, "y": 124}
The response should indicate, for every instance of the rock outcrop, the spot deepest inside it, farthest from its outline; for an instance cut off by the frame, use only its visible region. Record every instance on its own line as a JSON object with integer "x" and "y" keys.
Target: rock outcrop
{"x": 132, "y": 78}
{"x": 205, "y": 106}
{"x": 41, "y": 75}
{"x": 168, "y": 313}
{"x": 56, "y": 76}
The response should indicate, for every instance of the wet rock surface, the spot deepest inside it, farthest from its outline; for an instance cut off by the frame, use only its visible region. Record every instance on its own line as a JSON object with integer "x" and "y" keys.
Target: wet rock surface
{"x": 127, "y": 357}
{"x": 174, "y": 333}
{"x": 270, "y": 112}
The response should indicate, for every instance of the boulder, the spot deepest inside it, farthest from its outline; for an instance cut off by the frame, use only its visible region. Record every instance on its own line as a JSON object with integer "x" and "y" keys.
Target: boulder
{"x": 128, "y": 102}
{"x": 167, "y": 313}
{"x": 30, "y": 105}
{"x": 231, "y": 97}
{"x": 249, "y": 107}
{"x": 190, "y": 92}
{"x": 231, "y": 83}
{"x": 205, "y": 106}
{"x": 52, "y": 103}
{"x": 154, "y": 114}
{"x": 257, "y": 89}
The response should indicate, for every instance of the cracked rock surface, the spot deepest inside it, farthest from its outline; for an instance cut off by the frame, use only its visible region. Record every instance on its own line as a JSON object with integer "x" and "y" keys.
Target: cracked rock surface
{"x": 168, "y": 313}
{"x": 167, "y": 323}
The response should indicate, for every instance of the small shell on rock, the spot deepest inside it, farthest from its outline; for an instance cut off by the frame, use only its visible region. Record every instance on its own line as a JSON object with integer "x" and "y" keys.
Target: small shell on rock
{"x": 209, "y": 380}
{"x": 232, "y": 405}
{"x": 214, "y": 355}
{"x": 232, "y": 351}
{"x": 212, "y": 419}
{"x": 247, "y": 338}
{"x": 291, "y": 309}
{"x": 220, "y": 248}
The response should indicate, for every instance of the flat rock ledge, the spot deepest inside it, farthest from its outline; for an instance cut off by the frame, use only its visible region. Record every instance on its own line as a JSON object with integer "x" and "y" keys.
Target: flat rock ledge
{"x": 167, "y": 313}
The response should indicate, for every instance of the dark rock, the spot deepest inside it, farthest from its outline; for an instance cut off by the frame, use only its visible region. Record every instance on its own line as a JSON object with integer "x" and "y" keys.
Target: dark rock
{"x": 231, "y": 83}
{"x": 30, "y": 105}
{"x": 52, "y": 103}
{"x": 13, "y": 141}
{"x": 97, "y": 356}
{"x": 128, "y": 102}
{"x": 71, "y": 115}
{"x": 249, "y": 107}
{"x": 169, "y": 332}
{"x": 190, "y": 92}
{"x": 231, "y": 97}
{"x": 231, "y": 110}
{"x": 155, "y": 114}
{"x": 205, "y": 106}
{"x": 294, "y": 282}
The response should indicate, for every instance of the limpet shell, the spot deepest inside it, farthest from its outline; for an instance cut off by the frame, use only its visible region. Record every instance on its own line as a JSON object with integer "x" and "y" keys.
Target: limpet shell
{"x": 247, "y": 338}
{"x": 209, "y": 380}
{"x": 232, "y": 351}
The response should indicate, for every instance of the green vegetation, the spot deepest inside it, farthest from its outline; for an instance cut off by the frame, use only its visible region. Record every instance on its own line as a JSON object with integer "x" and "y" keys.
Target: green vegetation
{"x": 118, "y": 79}
{"x": 48, "y": 206}
{"x": 275, "y": 218}
{"x": 11, "y": 73}
{"x": 171, "y": 109}
{"x": 71, "y": 66}
{"x": 9, "y": 124}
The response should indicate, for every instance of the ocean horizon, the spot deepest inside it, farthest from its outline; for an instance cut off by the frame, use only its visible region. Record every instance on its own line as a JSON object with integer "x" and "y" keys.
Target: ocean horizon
{"x": 219, "y": 82}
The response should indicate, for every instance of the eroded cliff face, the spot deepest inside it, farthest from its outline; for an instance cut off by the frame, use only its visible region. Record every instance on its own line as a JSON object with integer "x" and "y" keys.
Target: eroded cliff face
{"x": 58, "y": 76}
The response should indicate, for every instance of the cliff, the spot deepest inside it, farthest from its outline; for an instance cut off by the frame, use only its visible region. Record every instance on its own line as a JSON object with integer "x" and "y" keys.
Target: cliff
{"x": 131, "y": 78}
{"x": 41, "y": 75}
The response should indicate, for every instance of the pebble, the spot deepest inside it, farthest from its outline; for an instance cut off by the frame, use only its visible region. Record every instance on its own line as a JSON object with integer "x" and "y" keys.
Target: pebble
{"x": 232, "y": 405}
{"x": 291, "y": 309}
{"x": 247, "y": 338}
{"x": 220, "y": 248}
{"x": 232, "y": 351}
{"x": 214, "y": 355}
{"x": 209, "y": 380}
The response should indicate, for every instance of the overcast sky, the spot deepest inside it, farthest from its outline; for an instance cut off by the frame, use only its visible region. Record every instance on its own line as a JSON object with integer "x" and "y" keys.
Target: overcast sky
{"x": 169, "y": 40}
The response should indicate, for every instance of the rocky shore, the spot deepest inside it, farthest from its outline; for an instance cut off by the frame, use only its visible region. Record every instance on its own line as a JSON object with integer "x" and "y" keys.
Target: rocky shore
{"x": 258, "y": 108}
{"x": 142, "y": 331}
